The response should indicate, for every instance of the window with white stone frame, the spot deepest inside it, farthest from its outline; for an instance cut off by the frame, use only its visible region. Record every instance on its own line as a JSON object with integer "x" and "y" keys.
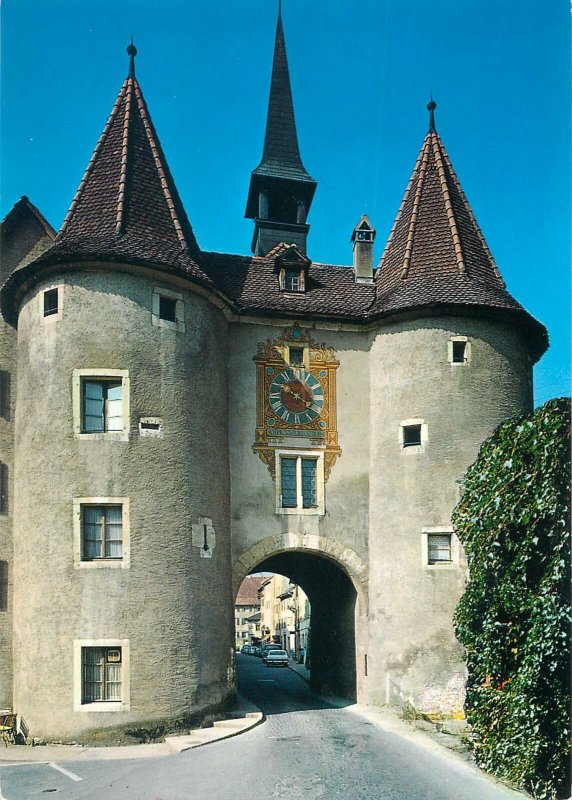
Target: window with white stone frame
{"x": 299, "y": 482}
{"x": 101, "y": 532}
{"x": 101, "y": 675}
{"x": 439, "y": 548}
{"x": 101, "y": 403}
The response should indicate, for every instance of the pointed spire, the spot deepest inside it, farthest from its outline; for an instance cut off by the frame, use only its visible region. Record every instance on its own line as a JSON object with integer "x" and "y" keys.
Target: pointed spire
{"x": 431, "y": 106}
{"x": 281, "y": 190}
{"x": 127, "y": 205}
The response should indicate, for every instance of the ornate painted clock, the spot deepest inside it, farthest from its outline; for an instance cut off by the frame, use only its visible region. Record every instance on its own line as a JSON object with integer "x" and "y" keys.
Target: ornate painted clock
{"x": 296, "y": 397}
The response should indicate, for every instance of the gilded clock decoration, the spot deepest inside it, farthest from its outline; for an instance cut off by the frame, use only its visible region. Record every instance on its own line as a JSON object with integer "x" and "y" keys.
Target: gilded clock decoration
{"x": 296, "y": 397}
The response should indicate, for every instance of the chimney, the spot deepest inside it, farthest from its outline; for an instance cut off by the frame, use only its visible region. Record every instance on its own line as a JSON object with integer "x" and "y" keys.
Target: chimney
{"x": 363, "y": 236}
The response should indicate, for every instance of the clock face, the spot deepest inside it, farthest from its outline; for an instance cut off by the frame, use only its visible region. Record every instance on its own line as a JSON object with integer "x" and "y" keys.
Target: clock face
{"x": 296, "y": 396}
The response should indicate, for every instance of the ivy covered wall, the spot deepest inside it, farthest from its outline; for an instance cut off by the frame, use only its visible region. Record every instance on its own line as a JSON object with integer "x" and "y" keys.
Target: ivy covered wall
{"x": 514, "y": 617}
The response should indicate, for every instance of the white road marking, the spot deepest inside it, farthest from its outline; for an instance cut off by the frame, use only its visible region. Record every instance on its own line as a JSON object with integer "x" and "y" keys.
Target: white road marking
{"x": 71, "y": 775}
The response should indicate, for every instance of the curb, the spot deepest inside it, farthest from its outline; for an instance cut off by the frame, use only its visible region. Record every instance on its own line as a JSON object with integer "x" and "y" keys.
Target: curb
{"x": 245, "y": 717}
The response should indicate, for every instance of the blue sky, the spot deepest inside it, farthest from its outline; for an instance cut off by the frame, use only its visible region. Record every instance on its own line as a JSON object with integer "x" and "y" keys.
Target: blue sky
{"x": 361, "y": 76}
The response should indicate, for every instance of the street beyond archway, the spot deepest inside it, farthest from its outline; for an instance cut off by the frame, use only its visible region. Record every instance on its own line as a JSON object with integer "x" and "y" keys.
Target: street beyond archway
{"x": 308, "y": 749}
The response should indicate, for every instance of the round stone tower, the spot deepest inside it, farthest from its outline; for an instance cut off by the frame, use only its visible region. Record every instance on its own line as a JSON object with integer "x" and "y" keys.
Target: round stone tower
{"x": 452, "y": 358}
{"x": 121, "y": 533}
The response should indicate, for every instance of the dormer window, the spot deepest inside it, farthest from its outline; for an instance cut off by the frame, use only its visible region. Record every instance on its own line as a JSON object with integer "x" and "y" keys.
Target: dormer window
{"x": 292, "y": 266}
{"x": 292, "y": 280}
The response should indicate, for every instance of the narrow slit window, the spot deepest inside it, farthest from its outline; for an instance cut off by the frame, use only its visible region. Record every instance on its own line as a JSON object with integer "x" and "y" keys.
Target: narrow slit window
{"x": 51, "y": 305}
{"x": 459, "y": 352}
{"x": 3, "y": 488}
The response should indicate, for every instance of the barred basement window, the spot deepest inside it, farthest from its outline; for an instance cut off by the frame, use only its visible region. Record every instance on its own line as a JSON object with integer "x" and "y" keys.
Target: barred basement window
{"x": 102, "y": 408}
{"x": 101, "y": 532}
{"x": 101, "y": 674}
{"x": 439, "y": 548}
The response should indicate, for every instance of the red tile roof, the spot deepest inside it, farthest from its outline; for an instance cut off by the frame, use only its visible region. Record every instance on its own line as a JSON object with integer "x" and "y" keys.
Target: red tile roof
{"x": 127, "y": 207}
{"x": 248, "y": 591}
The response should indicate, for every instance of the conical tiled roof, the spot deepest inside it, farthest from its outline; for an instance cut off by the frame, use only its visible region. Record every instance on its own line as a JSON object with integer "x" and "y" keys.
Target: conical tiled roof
{"x": 436, "y": 252}
{"x": 127, "y": 207}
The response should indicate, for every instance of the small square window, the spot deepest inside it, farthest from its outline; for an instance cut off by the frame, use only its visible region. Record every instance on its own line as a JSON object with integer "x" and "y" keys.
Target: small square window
{"x": 101, "y": 532}
{"x": 439, "y": 548}
{"x": 167, "y": 309}
{"x": 101, "y": 674}
{"x": 51, "y": 305}
{"x": 411, "y": 435}
{"x": 459, "y": 349}
{"x": 102, "y": 405}
{"x": 296, "y": 356}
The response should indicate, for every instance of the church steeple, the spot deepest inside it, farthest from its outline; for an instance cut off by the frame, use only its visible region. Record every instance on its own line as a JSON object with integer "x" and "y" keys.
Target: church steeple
{"x": 281, "y": 190}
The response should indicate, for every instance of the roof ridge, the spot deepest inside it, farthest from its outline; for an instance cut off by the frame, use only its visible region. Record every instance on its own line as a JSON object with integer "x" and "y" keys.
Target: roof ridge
{"x": 124, "y": 155}
{"x": 93, "y": 159}
{"x": 436, "y": 141}
{"x": 402, "y": 205}
{"x": 151, "y": 138}
{"x": 416, "y": 201}
{"x": 471, "y": 214}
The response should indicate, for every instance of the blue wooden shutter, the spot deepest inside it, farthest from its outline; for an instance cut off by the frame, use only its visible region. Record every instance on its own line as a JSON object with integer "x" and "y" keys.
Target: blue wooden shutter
{"x": 309, "y": 482}
{"x": 289, "y": 499}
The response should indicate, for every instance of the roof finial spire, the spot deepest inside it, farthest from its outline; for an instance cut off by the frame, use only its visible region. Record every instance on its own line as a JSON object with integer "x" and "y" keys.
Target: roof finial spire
{"x": 131, "y": 52}
{"x": 431, "y": 106}
{"x": 279, "y": 9}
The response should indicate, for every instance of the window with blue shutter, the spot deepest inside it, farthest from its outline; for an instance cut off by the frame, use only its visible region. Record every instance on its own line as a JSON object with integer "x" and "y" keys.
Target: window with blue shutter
{"x": 289, "y": 493}
{"x": 309, "y": 495}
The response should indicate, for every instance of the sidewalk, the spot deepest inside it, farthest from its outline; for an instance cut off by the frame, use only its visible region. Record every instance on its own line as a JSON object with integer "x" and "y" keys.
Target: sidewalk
{"x": 245, "y": 717}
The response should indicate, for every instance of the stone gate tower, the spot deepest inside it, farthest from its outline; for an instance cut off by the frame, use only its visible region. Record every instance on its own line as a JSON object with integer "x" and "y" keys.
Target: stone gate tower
{"x": 179, "y": 418}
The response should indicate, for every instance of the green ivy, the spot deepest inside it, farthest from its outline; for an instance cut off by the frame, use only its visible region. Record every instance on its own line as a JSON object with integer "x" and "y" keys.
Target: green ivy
{"x": 514, "y": 617}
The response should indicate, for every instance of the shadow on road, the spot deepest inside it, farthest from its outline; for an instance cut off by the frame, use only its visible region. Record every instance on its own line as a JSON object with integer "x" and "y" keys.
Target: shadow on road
{"x": 277, "y": 690}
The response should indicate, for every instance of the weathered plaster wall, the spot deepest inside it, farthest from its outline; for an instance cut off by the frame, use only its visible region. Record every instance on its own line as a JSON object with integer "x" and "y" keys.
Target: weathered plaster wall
{"x": 180, "y": 641}
{"x": 344, "y": 526}
{"x": 413, "y": 654}
{"x": 26, "y": 241}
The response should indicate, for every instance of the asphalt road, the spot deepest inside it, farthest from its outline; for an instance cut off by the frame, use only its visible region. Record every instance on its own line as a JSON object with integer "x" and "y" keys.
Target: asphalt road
{"x": 306, "y": 749}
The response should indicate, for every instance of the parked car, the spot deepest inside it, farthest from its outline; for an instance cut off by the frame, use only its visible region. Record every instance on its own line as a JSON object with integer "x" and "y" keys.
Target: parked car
{"x": 245, "y": 648}
{"x": 256, "y": 651}
{"x": 277, "y": 658}
{"x": 269, "y": 648}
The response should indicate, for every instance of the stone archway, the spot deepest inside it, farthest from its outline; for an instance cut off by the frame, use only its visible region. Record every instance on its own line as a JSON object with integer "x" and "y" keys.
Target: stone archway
{"x": 335, "y": 580}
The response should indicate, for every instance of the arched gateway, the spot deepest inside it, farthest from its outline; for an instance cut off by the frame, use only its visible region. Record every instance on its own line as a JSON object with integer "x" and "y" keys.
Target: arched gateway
{"x": 172, "y": 419}
{"x": 335, "y": 580}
